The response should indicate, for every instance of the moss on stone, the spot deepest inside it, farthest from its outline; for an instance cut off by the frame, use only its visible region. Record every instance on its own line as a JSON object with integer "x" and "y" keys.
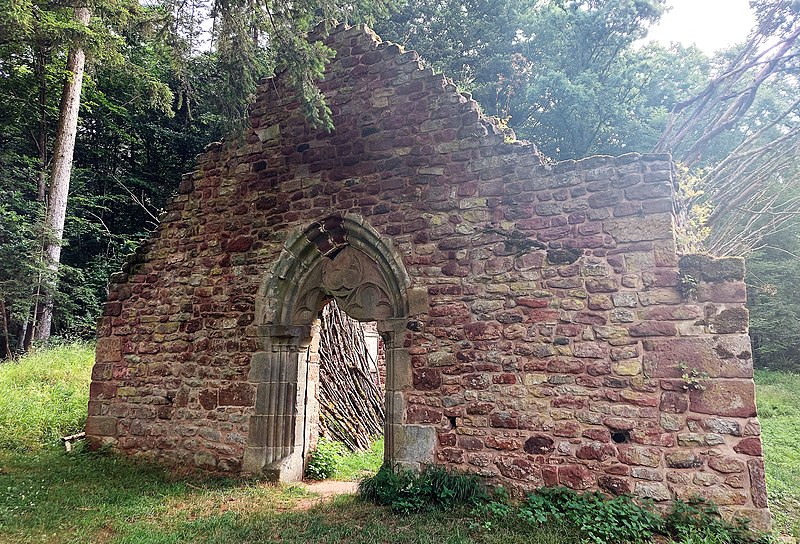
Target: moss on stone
{"x": 563, "y": 256}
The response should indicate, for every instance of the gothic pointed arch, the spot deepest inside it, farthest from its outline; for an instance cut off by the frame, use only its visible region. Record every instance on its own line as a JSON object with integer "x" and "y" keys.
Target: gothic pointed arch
{"x": 341, "y": 258}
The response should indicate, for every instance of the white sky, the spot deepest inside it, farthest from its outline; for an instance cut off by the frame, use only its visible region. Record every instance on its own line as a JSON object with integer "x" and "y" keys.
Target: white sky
{"x": 711, "y": 24}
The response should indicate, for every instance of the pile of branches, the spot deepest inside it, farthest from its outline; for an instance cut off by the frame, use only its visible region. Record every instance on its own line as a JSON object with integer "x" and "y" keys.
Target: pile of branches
{"x": 351, "y": 401}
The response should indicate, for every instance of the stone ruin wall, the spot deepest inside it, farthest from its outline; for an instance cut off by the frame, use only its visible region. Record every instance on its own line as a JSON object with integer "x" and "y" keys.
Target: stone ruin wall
{"x": 548, "y": 320}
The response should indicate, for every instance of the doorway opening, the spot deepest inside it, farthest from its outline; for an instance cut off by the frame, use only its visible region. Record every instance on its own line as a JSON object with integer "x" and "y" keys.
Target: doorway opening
{"x": 345, "y": 399}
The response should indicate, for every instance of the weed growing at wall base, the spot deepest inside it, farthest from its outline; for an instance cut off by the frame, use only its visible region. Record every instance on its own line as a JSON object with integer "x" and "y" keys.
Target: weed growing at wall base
{"x": 324, "y": 459}
{"x": 405, "y": 491}
{"x": 594, "y": 517}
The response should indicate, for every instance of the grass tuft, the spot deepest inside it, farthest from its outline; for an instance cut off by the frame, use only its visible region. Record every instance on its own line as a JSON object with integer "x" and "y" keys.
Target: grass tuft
{"x": 44, "y": 395}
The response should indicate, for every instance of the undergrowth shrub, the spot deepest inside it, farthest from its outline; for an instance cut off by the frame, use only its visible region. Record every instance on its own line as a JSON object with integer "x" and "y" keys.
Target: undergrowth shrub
{"x": 405, "y": 491}
{"x": 44, "y": 395}
{"x": 324, "y": 459}
{"x": 598, "y": 518}
{"x": 698, "y": 521}
{"x": 593, "y": 516}
{"x": 604, "y": 520}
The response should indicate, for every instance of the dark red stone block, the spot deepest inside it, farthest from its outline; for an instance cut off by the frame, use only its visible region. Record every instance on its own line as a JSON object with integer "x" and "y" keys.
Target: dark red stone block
{"x": 237, "y": 394}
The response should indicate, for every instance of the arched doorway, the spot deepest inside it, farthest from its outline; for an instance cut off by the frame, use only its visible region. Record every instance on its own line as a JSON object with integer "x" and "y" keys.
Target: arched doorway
{"x": 341, "y": 259}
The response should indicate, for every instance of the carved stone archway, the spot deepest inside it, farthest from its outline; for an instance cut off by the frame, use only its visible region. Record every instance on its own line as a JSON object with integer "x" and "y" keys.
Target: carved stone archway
{"x": 337, "y": 258}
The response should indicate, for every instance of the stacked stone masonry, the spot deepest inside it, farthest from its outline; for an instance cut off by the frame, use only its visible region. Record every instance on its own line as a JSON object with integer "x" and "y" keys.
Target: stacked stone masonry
{"x": 539, "y": 327}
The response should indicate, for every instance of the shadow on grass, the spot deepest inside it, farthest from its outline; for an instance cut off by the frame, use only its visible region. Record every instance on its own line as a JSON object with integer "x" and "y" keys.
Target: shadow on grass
{"x": 51, "y": 496}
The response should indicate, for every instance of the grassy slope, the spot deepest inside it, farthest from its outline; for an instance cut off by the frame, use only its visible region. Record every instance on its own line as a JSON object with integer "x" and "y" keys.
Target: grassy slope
{"x": 49, "y": 496}
{"x": 44, "y": 395}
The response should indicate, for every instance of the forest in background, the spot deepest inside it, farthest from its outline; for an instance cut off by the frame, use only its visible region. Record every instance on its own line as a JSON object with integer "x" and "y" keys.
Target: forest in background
{"x": 163, "y": 78}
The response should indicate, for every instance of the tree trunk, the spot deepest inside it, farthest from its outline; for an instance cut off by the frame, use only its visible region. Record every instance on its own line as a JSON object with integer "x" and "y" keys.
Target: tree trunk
{"x": 7, "y": 345}
{"x": 63, "y": 151}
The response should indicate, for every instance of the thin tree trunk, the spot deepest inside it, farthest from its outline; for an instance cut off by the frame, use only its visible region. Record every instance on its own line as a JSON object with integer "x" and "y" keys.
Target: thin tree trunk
{"x": 5, "y": 328}
{"x": 41, "y": 138}
{"x": 25, "y": 340}
{"x": 63, "y": 151}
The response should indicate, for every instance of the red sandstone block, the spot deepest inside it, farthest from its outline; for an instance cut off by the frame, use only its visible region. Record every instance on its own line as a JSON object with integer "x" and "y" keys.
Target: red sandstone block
{"x": 721, "y": 292}
{"x": 419, "y": 413}
{"x": 676, "y": 313}
{"x": 567, "y": 429}
{"x": 503, "y": 420}
{"x": 758, "y": 486}
{"x": 575, "y": 476}
{"x": 102, "y": 390}
{"x": 481, "y": 330}
{"x": 208, "y": 399}
{"x": 534, "y": 302}
{"x": 237, "y": 394}
{"x": 500, "y": 443}
{"x": 749, "y": 446}
{"x": 505, "y": 378}
{"x": 732, "y": 398}
{"x": 240, "y": 244}
{"x": 101, "y": 426}
{"x": 596, "y": 451}
{"x": 470, "y": 443}
{"x": 660, "y": 278}
{"x": 451, "y": 455}
{"x": 427, "y": 379}
{"x": 108, "y": 350}
{"x": 674, "y": 403}
{"x": 653, "y": 328}
{"x": 570, "y": 401}
{"x": 614, "y": 485}
{"x": 726, "y": 465}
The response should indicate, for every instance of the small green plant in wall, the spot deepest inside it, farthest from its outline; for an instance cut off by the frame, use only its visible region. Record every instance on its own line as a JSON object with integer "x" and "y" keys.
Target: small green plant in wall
{"x": 687, "y": 285}
{"x": 693, "y": 379}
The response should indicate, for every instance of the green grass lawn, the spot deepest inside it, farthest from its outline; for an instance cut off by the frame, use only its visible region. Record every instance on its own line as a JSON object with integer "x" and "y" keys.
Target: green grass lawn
{"x": 53, "y": 497}
{"x": 352, "y": 467}
{"x": 47, "y": 495}
{"x": 778, "y": 398}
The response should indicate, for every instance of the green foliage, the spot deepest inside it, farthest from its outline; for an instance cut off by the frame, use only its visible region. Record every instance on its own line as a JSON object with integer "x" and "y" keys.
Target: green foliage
{"x": 434, "y": 487}
{"x": 44, "y": 491}
{"x": 692, "y": 378}
{"x": 50, "y": 496}
{"x": 324, "y": 459}
{"x": 602, "y": 520}
{"x": 331, "y": 459}
{"x": 699, "y": 521}
{"x": 566, "y": 75}
{"x": 20, "y": 262}
{"x": 774, "y": 303}
{"x": 597, "y": 518}
{"x": 44, "y": 395}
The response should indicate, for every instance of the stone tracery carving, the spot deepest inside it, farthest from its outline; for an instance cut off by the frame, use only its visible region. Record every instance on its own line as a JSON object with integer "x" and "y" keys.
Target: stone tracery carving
{"x": 353, "y": 279}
